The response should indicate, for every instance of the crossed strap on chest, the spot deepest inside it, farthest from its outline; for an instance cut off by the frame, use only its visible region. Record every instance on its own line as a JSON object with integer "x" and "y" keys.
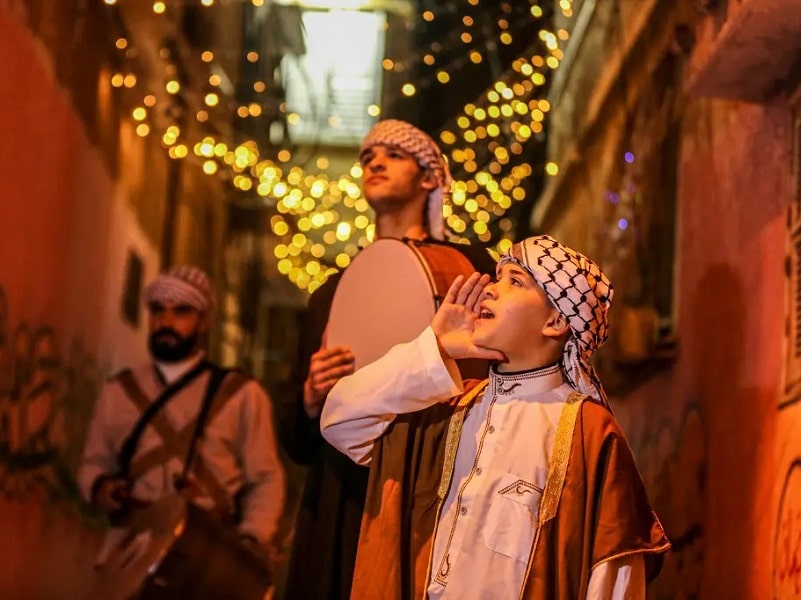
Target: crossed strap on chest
{"x": 177, "y": 443}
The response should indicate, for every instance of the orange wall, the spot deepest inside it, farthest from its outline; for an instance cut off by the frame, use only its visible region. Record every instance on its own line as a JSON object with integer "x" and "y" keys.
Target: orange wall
{"x": 64, "y": 235}
{"x": 705, "y": 430}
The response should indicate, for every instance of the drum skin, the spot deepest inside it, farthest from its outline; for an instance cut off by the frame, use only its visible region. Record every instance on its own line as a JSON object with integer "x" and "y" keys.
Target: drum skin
{"x": 389, "y": 294}
{"x": 176, "y": 550}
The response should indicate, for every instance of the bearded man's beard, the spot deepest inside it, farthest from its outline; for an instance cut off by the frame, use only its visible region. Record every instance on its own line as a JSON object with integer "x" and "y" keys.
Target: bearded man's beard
{"x": 167, "y": 345}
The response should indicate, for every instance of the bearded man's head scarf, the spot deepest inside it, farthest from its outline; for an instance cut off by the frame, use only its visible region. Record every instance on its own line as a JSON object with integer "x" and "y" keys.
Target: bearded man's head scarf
{"x": 181, "y": 285}
{"x": 580, "y": 291}
{"x": 407, "y": 137}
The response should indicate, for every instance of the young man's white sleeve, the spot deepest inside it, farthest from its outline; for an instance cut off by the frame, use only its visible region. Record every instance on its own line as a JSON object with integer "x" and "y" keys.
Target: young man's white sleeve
{"x": 408, "y": 378}
{"x": 621, "y": 578}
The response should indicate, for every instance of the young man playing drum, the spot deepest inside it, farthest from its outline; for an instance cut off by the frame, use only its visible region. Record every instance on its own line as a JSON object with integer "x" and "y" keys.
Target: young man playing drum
{"x": 520, "y": 486}
{"x": 405, "y": 177}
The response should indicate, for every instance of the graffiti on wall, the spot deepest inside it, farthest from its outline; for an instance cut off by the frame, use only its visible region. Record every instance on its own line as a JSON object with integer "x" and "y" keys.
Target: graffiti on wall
{"x": 672, "y": 458}
{"x": 787, "y": 545}
{"x": 46, "y": 399}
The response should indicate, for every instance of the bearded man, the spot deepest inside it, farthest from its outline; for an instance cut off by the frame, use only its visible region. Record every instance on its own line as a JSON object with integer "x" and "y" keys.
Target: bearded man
{"x": 180, "y": 424}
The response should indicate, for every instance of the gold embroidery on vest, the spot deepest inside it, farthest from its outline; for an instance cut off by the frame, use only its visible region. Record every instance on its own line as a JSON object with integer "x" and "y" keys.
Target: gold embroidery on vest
{"x": 453, "y": 436}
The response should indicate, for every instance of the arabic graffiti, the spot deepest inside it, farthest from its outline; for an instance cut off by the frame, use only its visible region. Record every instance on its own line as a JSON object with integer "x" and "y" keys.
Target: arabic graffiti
{"x": 787, "y": 546}
{"x": 46, "y": 400}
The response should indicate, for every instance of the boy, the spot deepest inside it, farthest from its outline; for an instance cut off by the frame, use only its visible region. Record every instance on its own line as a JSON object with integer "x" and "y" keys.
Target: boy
{"x": 519, "y": 486}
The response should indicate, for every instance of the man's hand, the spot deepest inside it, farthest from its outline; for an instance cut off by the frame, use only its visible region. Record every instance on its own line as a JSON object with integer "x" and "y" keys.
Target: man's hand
{"x": 112, "y": 494}
{"x": 454, "y": 321}
{"x": 328, "y": 365}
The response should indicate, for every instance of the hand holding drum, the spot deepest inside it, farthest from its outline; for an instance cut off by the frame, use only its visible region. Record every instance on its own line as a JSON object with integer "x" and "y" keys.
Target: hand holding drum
{"x": 328, "y": 365}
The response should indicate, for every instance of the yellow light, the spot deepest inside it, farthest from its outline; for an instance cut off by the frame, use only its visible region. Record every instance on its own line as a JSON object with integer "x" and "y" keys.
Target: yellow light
{"x": 480, "y": 227}
{"x": 121, "y": 43}
{"x": 215, "y": 80}
{"x": 252, "y": 56}
{"x": 538, "y": 79}
{"x": 181, "y": 151}
{"x": 159, "y": 8}
{"x": 173, "y": 87}
{"x": 536, "y": 11}
{"x": 207, "y": 56}
{"x": 150, "y": 100}
{"x": 254, "y": 109}
{"x": 202, "y": 116}
{"x": 117, "y": 80}
{"x": 293, "y": 118}
{"x": 443, "y": 77}
{"x": 212, "y": 99}
{"x": 374, "y": 110}
{"x": 551, "y": 168}
{"x": 139, "y": 113}
{"x": 258, "y": 3}
{"x": 129, "y": 81}
{"x": 466, "y": 37}
{"x": 468, "y": 21}
{"x": 242, "y": 111}
{"x": 388, "y": 64}
{"x": 428, "y": 16}
{"x": 284, "y": 155}
{"x": 142, "y": 129}
{"x": 343, "y": 231}
{"x": 299, "y": 240}
{"x": 475, "y": 57}
{"x": 110, "y": 2}
{"x": 447, "y": 137}
{"x": 342, "y": 260}
{"x": 207, "y": 2}
{"x": 284, "y": 266}
{"x": 259, "y": 87}
{"x": 408, "y": 89}
{"x": 429, "y": 59}
{"x": 209, "y": 167}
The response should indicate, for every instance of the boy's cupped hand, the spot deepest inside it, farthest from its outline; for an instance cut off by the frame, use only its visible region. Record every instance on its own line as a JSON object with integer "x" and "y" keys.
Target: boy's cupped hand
{"x": 454, "y": 321}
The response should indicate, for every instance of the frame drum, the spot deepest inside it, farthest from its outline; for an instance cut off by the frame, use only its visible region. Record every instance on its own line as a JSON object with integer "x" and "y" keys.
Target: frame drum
{"x": 172, "y": 549}
{"x": 389, "y": 294}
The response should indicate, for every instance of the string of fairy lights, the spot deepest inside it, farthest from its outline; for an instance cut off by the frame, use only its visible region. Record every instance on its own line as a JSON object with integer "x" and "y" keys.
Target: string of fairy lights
{"x": 316, "y": 213}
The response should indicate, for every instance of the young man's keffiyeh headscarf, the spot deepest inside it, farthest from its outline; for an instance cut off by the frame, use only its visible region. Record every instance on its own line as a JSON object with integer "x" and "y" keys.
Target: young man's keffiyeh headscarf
{"x": 419, "y": 144}
{"x": 581, "y": 292}
{"x": 181, "y": 285}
